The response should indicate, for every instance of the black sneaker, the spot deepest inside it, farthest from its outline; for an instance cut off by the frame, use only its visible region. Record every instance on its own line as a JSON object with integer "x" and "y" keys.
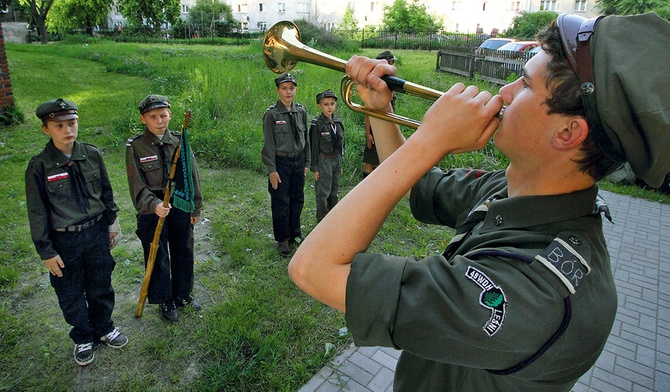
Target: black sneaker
{"x": 169, "y": 311}
{"x": 83, "y": 353}
{"x": 115, "y": 339}
{"x": 189, "y": 301}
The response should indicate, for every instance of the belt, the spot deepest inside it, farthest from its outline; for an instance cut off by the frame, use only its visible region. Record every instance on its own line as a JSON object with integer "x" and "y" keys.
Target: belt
{"x": 288, "y": 154}
{"x": 81, "y": 227}
{"x": 329, "y": 156}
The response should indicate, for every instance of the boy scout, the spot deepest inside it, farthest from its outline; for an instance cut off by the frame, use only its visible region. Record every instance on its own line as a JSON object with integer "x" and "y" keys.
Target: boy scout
{"x": 327, "y": 142}
{"x": 287, "y": 156}
{"x": 522, "y": 298}
{"x": 149, "y": 158}
{"x": 73, "y": 225}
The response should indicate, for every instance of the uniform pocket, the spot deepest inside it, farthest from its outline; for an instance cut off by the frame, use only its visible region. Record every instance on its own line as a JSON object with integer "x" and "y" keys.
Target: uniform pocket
{"x": 153, "y": 173}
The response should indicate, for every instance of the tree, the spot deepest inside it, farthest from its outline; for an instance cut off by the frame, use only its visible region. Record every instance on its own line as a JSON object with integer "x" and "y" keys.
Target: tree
{"x": 628, "y": 7}
{"x": 349, "y": 21}
{"x": 152, "y": 13}
{"x": 403, "y": 18}
{"x": 38, "y": 14}
{"x": 212, "y": 16}
{"x": 527, "y": 24}
{"x": 76, "y": 14}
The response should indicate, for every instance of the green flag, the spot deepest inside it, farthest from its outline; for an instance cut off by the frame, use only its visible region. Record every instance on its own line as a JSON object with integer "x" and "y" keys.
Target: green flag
{"x": 182, "y": 194}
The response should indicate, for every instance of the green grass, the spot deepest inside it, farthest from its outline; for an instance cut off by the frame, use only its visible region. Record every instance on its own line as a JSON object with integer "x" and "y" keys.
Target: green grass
{"x": 257, "y": 331}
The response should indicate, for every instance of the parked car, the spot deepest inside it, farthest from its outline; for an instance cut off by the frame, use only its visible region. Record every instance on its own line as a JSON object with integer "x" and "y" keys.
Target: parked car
{"x": 492, "y": 44}
{"x": 519, "y": 46}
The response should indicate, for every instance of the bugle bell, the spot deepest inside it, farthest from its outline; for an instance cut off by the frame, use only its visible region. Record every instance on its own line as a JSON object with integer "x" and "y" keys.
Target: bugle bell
{"x": 283, "y": 49}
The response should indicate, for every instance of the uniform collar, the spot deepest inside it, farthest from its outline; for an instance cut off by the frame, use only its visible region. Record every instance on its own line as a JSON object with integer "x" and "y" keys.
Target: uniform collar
{"x": 168, "y": 138}
{"x": 527, "y": 211}
{"x": 283, "y": 108}
{"x": 59, "y": 159}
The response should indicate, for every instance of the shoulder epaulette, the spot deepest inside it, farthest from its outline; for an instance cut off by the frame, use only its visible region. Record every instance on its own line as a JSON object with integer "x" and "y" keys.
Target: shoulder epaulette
{"x": 130, "y": 141}
{"x": 274, "y": 105}
{"x": 566, "y": 258}
{"x": 30, "y": 163}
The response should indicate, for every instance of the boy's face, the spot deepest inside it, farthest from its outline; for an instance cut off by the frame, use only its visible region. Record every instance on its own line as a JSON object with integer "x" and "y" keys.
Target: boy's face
{"x": 327, "y": 106}
{"x": 286, "y": 92}
{"x": 63, "y": 133}
{"x": 157, "y": 120}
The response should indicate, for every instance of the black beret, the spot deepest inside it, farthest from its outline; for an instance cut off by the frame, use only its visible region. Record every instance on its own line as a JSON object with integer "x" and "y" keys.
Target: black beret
{"x": 630, "y": 86}
{"x": 287, "y": 77}
{"x": 152, "y": 102}
{"x": 386, "y": 55}
{"x": 325, "y": 94}
{"x": 58, "y": 109}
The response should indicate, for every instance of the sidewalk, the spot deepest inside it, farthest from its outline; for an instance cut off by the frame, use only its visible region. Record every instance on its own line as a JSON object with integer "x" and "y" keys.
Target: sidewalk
{"x": 636, "y": 357}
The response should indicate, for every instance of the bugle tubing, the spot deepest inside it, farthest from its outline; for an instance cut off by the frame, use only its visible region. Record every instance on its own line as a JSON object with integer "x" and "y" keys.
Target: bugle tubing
{"x": 282, "y": 49}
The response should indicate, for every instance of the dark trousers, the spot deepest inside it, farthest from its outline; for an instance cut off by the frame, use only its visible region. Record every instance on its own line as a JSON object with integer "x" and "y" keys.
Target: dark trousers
{"x": 85, "y": 292}
{"x": 328, "y": 185}
{"x": 172, "y": 275}
{"x": 288, "y": 199}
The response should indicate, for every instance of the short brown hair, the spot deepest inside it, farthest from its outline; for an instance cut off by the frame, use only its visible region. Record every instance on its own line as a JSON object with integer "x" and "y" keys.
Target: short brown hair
{"x": 566, "y": 99}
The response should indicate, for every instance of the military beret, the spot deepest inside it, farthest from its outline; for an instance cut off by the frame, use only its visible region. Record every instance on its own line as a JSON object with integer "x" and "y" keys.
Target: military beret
{"x": 325, "y": 94}
{"x": 287, "y": 77}
{"x": 152, "y": 102}
{"x": 626, "y": 99}
{"x": 58, "y": 109}
{"x": 386, "y": 55}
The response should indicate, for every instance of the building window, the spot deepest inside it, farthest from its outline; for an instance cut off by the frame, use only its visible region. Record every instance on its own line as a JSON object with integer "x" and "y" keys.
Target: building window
{"x": 281, "y": 7}
{"x": 515, "y": 6}
{"x": 262, "y": 26}
{"x": 243, "y": 8}
{"x": 352, "y": 5}
{"x": 484, "y": 6}
{"x": 303, "y": 7}
{"x": 374, "y": 6}
{"x": 245, "y": 26}
{"x": 184, "y": 9}
{"x": 260, "y": 7}
{"x": 580, "y": 5}
{"x": 547, "y": 5}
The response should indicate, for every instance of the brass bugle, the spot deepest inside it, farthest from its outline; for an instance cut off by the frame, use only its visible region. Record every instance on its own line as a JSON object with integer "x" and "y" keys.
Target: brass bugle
{"x": 283, "y": 49}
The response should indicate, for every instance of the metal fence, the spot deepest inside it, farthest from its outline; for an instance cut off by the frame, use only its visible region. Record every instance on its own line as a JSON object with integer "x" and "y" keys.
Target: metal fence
{"x": 492, "y": 66}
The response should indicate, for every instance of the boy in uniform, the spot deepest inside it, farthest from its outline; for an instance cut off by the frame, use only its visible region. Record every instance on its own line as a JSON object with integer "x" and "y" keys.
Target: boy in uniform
{"x": 149, "y": 158}
{"x": 73, "y": 225}
{"x": 287, "y": 156}
{"x": 327, "y": 142}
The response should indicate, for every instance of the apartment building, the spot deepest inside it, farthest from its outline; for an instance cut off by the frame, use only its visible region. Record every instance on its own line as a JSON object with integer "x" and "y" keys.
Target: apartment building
{"x": 467, "y": 16}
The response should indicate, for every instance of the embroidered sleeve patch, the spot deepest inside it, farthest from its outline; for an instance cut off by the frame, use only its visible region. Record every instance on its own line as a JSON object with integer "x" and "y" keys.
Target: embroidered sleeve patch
{"x": 564, "y": 261}
{"x": 149, "y": 159}
{"x": 56, "y": 177}
{"x": 492, "y": 297}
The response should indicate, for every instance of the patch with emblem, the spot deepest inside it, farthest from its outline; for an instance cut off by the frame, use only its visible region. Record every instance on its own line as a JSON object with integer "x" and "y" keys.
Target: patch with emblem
{"x": 149, "y": 159}
{"x": 280, "y": 122}
{"x": 492, "y": 297}
{"x": 564, "y": 261}
{"x": 59, "y": 176}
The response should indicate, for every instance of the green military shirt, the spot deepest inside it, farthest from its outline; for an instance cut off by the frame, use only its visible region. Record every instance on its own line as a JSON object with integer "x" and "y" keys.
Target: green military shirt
{"x": 148, "y": 163}
{"x": 285, "y": 131}
{"x": 54, "y": 199}
{"x": 325, "y": 141}
{"x": 534, "y": 265}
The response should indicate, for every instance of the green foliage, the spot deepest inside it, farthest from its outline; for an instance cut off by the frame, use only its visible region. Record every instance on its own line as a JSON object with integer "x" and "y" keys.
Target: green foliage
{"x": 630, "y": 7}
{"x": 11, "y": 115}
{"x": 528, "y": 24}
{"x": 317, "y": 37}
{"x": 153, "y": 13}
{"x": 211, "y": 17}
{"x": 78, "y": 14}
{"x": 349, "y": 21}
{"x": 401, "y": 17}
